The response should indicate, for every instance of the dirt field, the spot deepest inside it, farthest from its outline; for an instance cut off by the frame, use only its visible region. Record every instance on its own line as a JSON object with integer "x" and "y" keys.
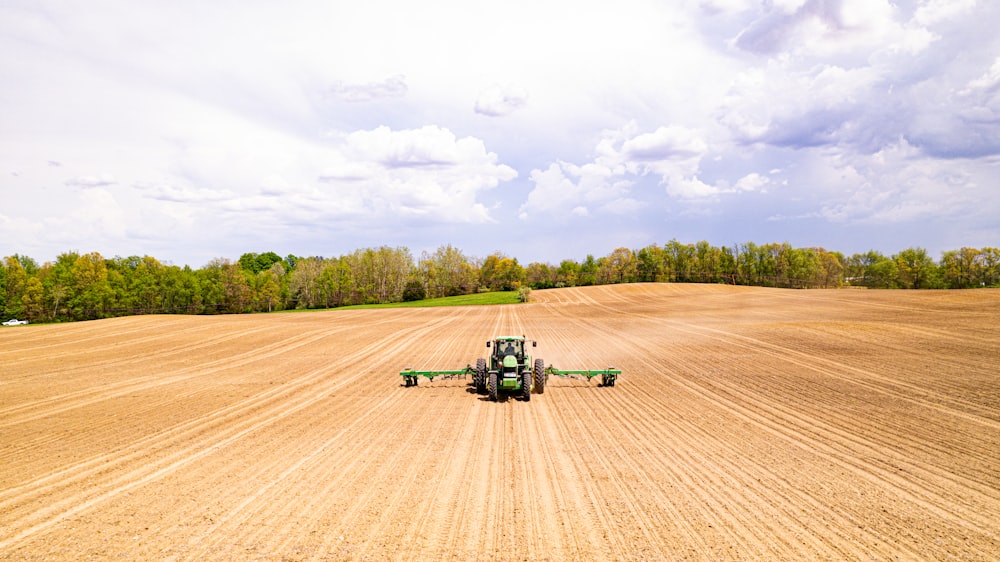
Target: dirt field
{"x": 747, "y": 424}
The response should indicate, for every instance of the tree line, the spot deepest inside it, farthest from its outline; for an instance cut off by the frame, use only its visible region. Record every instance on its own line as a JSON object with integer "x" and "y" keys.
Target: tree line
{"x": 87, "y": 286}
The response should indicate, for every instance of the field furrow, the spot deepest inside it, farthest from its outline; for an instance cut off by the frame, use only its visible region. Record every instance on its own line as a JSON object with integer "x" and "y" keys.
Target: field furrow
{"x": 748, "y": 423}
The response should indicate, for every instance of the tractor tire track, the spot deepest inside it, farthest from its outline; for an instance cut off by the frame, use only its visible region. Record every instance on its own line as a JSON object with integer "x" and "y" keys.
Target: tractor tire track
{"x": 262, "y": 414}
{"x": 747, "y": 424}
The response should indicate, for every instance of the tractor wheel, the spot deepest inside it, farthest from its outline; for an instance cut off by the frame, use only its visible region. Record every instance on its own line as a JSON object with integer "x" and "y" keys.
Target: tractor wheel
{"x": 491, "y": 386}
{"x": 480, "y": 376}
{"x": 407, "y": 381}
{"x": 539, "y": 376}
{"x": 526, "y": 385}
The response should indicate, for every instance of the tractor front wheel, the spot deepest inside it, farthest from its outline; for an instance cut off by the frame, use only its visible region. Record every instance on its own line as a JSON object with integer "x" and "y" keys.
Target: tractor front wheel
{"x": 491, "y": 386}
{"x": 539, "y": 376}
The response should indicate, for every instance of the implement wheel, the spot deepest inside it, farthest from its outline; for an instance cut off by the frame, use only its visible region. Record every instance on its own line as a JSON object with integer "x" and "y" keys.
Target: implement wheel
{"x": 491, "y": 386}
{"x": 539, "y": 373}
{"x": 479, "y": 377}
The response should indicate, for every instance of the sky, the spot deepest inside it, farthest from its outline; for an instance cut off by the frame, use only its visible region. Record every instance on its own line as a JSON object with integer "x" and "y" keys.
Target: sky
{"x": 545, "y": 130}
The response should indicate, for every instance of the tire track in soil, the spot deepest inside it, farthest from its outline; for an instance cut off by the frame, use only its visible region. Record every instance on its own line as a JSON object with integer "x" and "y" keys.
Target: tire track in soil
{"x": 550, "y": 470}
{"x": 688, "y": 457}
{"x": 918, "y": 492}
{"x": 960, "y": 407}
{"x": 89, "y": 467}
{"x": 437, "y": 531}
{"x": 538, "y": 496}
{"x": 707, "y": 483}
{"x": 431, "y": 446}
{"x": 611, "y": 509}
{"x": 252, "y": 414}
{"x": 101, "y": 389}
{"x": 62, "y": 403}
{"x": 826, "y": 432}
{"x": 269, "y": 503}
{"x": 619, "y": 433}
{"x": 832, "y": 369}
{"x": 51, "y": 336}
{"x": 733, "y": 509}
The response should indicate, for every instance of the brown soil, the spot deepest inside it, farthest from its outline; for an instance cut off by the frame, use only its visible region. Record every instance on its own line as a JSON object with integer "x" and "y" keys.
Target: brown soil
{"x": 747, "y": 424}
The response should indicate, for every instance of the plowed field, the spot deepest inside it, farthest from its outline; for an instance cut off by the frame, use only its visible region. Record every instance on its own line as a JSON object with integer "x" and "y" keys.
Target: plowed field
{"x": 747, "y": 424}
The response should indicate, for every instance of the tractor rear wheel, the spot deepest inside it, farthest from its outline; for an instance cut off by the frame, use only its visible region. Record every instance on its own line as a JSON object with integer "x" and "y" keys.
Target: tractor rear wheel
{"x": 491, "y": 386}
{"x": 526, "y": 385}
{"x": 480, "y": 376}
{"x": 539, "y": 376}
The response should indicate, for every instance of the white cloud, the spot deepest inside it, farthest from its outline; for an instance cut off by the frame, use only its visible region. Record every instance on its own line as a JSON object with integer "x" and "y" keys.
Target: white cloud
{"x": 724, "y": 6}
{"x": 853, "y": 28}
{"x": 497, "y": 100}
{"x": 752, "y": 182}
{"x": 931, "y": 12}
{"x": 666, "y": 143}
{"x": 690, "y": 188}
{"x": 92, "y": 181}
{"x": 419, "y": 172}
{"x": 391, "y": 87}
{"x": 345, "y": 120}
{"x": 987, "y": 82}
{"x": 565, "y": 189}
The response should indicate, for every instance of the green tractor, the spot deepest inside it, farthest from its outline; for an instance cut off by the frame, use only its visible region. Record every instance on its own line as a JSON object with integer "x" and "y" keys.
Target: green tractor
{"x": 510, "y": 370}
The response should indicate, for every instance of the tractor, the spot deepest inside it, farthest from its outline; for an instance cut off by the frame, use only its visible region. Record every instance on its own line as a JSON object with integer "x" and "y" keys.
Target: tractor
{"x": 510, "y": 370}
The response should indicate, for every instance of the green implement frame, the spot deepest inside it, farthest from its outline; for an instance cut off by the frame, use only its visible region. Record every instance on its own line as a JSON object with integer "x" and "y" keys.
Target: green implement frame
{"x": 411, "y": 376}
{"x": 608, "y": 376}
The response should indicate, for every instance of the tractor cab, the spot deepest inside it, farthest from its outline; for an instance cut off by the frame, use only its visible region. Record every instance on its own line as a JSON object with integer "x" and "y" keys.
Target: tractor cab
{"x": 508, "y": 352}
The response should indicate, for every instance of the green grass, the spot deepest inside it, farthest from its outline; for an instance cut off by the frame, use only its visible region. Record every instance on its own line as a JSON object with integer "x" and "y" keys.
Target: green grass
{"x": 478, "y": 299}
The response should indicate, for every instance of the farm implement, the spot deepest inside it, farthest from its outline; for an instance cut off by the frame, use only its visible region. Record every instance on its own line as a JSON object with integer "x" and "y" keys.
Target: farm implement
{"x": 510, "y": 369}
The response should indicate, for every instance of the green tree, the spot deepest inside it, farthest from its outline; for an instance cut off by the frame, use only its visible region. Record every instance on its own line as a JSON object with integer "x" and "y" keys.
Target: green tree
{"x": 380, "y": 274}
{"x": 33, "y": 299}
{"x": 267, "y": 288}
{"x": 991, "y": 267}
{"x": 3, "y": 286}
{"x": 540, "y": 275}
{"x": 568, "y": 273}
{"x": 16, "y": 281}
{"x": 447, "y": 272}
{"x": 831, "y": 272}
{"x": 878, "y": 271}
{"x": 304, "y": 283}
{"x": 414, "y": 291}
{"x": 501, "y": 273}
{"x": 619, "y": 266}
{"x": 337, "y": 282}
{"x": 962, "y": 269}
{"x": 92, "y": 294}
{"x": 650, "y": 264}
{"x": 588, "y": 271}
{"x": 180, "y": 290}
{"x": 916, "y": 269}
{"x": 255, "y": 263}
